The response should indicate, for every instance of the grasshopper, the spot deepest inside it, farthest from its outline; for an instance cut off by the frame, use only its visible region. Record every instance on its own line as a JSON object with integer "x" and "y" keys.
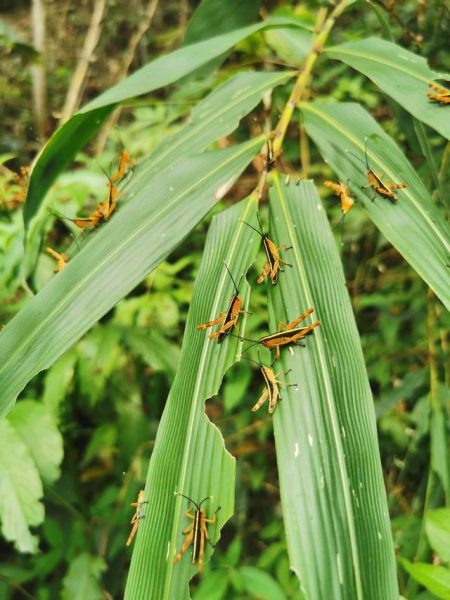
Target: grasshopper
{"x": 196, "y": 532}
{"x": 138, "y": 516}
{"x": 291, "y": 334}
{"x": 442, "y": 96}
{"x": 229, "y": 318}
{"x": 384, "y": 188}
{"x": 62, "y": 259}
{"x": 271, "y": 390}
{"x": 274, "y": 262}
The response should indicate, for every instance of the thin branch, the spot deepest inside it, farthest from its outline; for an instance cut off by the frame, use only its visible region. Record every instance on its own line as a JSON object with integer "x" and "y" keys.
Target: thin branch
{"x": 75, "y": 90}
{"x": 145, "y": 23}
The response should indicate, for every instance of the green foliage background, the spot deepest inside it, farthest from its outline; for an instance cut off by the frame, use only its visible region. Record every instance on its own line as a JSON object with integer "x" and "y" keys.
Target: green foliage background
{"x": 96, "y": 410}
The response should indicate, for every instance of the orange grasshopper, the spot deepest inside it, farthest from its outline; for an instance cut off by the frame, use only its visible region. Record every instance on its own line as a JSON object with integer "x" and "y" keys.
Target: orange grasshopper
{"x": 103, "y": 211}
{"x": 376, "y": 181}
{"x": 138, "y": 516}
{"x": 442, "y": 96}
{"x": 227, "y": 319}
{"x": 125, "y": 163}
{"x": 273, "y": 264}
{"x": 62, "y": 259}
{"x": 342, "y": 191}
{"x": 291, "y": 334}
{"x": 347, "y": 201}
{"x": 196, "y": 532}
{"x": 271, "y": 390}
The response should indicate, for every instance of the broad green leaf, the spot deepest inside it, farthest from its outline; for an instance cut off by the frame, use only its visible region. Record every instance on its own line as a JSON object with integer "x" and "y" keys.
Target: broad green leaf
{"x": 73, "y": 135}
{"x": 413, "y": 224}
{"x": 213, "y": 587}
{"x": 119, "y": 256}
{"x": 260, "y": 584}
{"x": 422, "y": 137}
{"x": 440, "y": 448}
{"x": 83, "y": 578}
{"x": 332, "y": 489}
{"x": 215, "y": 17}
{"x": 20, "y": 490}
{"x": 37, "y": 428}
{"x": 435, "y": 579}
{"x": 58, "y": 380}
{"x": 189, "y": 455}
{"x": 437, "y": 526}
{"x": 401, "y": 74}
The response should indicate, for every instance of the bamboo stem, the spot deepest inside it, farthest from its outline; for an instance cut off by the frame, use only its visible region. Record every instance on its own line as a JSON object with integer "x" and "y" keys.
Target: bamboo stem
{"x": 323, "y": 28}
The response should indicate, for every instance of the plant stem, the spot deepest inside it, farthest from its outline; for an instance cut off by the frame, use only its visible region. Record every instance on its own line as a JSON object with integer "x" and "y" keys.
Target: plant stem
{"x": 322, "y": 28}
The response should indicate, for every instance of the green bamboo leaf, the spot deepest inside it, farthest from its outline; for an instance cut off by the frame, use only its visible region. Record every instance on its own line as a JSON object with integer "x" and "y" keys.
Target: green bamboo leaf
{"x": 435, "y": 579}
{"x": 119, "y": 255}
{"x": 215, "y": 117}
{"x": 73, "y": 135}
{"x": 413, "y": 224}
{"x": 214, "y": 17}
{"x": 437, "y": 525}
{"x": 189, "y": 455}
{"x": 332, "y": 490}
{"x": 401, "y": 74}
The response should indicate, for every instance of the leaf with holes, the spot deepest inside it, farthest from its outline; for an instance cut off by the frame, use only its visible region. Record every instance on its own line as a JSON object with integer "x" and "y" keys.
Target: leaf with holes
{"x": 189, "y": 455}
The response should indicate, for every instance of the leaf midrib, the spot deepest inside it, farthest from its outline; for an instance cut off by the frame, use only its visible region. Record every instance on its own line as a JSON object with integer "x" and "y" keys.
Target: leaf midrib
{"x": 373, "y": 58}
{"x": 329, "y": 396}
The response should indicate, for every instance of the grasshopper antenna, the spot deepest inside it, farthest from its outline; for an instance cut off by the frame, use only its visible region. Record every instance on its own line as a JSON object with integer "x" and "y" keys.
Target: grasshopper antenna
{"x": 190, "y": 499}
{"x": 204, "y": 500}
{"x": 365, "y": 153}
{"x": 251, "y": 360}
{"x": 131, "y": 479}
{"x": 251, "y": 227}
{"x": 229, "y": 272}
{"x": 259, "y": 221}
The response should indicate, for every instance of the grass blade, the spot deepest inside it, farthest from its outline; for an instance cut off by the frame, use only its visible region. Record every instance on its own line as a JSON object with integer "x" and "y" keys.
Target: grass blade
{"x": 401, "y": 74}
{"x": 332, "y": 490}
{"x": 414, "y": 225}
{"x": 117, "y": 258}
{"x": 189, "y": 455}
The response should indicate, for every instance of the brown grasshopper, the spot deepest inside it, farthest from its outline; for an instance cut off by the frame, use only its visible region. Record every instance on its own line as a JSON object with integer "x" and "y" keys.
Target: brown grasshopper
{"x": 229, "y": 318}
{"x": 274, "y": 262}
{"x": 196, "y": 532}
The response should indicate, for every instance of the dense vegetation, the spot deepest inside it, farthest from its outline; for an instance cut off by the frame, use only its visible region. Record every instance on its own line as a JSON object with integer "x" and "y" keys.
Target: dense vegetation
{"x": 105, "y": 355}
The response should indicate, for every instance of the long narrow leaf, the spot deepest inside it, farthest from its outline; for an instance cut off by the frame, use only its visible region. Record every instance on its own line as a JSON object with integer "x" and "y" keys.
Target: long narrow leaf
{"x": 189, "y": 455}
{"x": 216, "y": 116}
{"x": 73, "y": 135}
{"x": 413, "y": 224}
{"x": 119, "y": 256}
{"x": 332, "y": 490}
{"x": 403, "y": 75}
